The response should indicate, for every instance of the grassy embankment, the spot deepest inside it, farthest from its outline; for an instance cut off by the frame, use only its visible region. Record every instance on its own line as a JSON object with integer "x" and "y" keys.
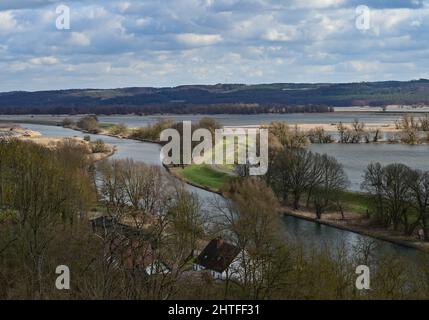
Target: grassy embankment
{"x": 209, "y": 178}
{"x": 203, "y": 176}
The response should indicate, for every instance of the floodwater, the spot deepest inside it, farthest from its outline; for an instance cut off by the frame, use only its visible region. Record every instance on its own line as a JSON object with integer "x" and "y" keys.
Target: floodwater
{"x": 310, "y": 234}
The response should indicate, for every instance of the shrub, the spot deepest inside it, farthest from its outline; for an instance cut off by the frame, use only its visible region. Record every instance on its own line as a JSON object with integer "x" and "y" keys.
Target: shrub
{"x": 89, "y": 124}
{"x": 119, "y": 129}
{"x": 319, "y": 135}
{"x": 153, "y": 131}
{"x": 99, "y": 146}
{"x": 67, "y": 122}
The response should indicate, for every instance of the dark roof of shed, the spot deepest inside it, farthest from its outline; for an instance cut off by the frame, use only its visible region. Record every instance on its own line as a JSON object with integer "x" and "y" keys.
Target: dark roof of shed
{"x": 217, "y": 255}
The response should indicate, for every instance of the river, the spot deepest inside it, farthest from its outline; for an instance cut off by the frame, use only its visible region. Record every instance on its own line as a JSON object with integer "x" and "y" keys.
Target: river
{"x": 297, "y": 230}
{"x": 354, "y": 157}
{"x": 231, "y": 119}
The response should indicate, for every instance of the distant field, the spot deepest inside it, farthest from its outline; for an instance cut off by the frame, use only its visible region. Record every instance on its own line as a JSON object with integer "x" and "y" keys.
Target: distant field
{"x": 203, "y": 175}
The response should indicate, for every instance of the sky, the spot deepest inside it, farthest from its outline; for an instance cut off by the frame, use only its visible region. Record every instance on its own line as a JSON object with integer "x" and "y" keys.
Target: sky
{"x": 132, "y": 43}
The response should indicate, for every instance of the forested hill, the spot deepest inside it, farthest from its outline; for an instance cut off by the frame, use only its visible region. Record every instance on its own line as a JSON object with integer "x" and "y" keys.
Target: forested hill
{"x": 220, "y": 98}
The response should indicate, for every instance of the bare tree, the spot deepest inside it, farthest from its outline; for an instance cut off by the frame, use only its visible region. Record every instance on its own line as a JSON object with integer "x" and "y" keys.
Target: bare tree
{"x": 419, "y": 184}
{"x": 252, "y": 222}
{"x": 296, "y": 173}
{"x": 391, "y": 186}
{"x": 373, "y": 183}
{"x": 319, "y": 135}
{"x": 333, "y": 181}
{"x": 44, "y": 194}
{"x": 286, "y": 137}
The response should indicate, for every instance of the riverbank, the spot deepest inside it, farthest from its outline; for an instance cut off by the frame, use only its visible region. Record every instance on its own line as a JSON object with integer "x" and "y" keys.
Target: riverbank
{"x": 201, "y": 176}
{"x": 13, "y": 130}
{"x": 333, "y": 127}
{"x": 387, "y": 130}
{"x": 94, "y": 153}
{"x": 355, "y": 204}
{"x": 357, "y": 223}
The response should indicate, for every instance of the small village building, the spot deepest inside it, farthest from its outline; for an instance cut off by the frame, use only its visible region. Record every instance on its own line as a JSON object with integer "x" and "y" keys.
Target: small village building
{"x": 217, "y": 258}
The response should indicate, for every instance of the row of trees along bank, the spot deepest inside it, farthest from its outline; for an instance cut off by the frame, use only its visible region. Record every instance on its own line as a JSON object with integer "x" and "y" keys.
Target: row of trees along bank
{"x": 399, "y": 195}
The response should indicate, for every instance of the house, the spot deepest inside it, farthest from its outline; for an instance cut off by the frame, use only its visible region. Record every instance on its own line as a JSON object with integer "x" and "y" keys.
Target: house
{"x": 217, "y": 258}
{"x": 128, "y": 247}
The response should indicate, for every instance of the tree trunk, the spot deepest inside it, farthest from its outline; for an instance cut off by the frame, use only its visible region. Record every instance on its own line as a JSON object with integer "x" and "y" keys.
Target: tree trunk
{"x": 425, "y": 228}
{"x": 296, "y": 199}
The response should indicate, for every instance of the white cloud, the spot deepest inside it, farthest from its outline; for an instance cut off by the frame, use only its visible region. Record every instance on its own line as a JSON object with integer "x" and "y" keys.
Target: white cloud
{"x": 148, "y": 42}
{"x": 44, "y": 61}
{"x": 194, "y": 39}
{"x": 315, "y": 70}
{"x": 318, "y": 4}
{"x": 275, "y": 35}
{"x": 364, "y": 66}
{"x": 18, "y": 66}
{"x": 391, "y": 18}
{"x": 7, "y": 22}
{"x": 123, "y": 6}
{"x": 79, "y": 39}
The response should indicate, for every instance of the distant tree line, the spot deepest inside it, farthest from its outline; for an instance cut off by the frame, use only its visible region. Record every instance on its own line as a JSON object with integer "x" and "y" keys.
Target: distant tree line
{"x": 410, "y": 130}
{"x": 167, "y": 108}
{"x": 215, "y": 99}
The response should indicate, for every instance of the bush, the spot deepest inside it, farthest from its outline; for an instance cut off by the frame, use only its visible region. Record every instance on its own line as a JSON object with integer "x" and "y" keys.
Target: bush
{"x": 153, "y": 131}
{"x": 119, "y": 129}
{"x": 99, "y": 146}
{"x": 89, "y": 124}
{"x": 410, "y": 136}
{"x": 319, "y": 135}
{"x": 67, "y": 122}
{"x": 291, "y": 138}
{"x": 209, "y": 123}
